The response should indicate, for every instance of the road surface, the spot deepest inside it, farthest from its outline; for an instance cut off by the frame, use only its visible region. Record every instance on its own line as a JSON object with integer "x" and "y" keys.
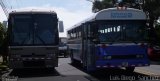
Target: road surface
{"x": 67, "y": 72}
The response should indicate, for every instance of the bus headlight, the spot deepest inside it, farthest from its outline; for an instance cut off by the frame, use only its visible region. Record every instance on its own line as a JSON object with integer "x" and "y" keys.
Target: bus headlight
{"x": 16, "y": 56}
{"x": 139, "y": 56}
{"x": 51, "y": 55}
{"x": 108, "y": 57}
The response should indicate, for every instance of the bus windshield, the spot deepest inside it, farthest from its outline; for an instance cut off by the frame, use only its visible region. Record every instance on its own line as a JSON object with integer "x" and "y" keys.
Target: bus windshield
{"x": 122, "y": 31}
{"x": 37, "y": 29}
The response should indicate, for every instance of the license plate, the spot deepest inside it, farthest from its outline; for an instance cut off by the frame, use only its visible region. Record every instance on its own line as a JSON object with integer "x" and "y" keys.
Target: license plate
{"x": 125, "y": 64}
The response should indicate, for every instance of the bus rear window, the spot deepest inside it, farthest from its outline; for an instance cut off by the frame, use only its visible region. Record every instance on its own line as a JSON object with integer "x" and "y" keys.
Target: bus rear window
{"x": 122, "y": 31}
{"x": 34, "y": 29}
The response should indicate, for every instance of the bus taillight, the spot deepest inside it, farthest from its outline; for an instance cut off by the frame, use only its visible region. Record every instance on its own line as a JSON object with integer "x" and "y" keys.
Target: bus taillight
{"x": 103, "y": 46}
{"x": 142, "y": 45}
{"x": 98, "y": 57}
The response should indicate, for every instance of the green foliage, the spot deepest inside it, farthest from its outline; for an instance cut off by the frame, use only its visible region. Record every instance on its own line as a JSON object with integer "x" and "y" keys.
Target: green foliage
{"x": 157, "y": 28}
{"x": 1, "y": 33}
{"x": 103, "y": 4}
{"x": 2, "y": 37}
{"x": 99, "y": 5}
{"x": 153, "y": 8}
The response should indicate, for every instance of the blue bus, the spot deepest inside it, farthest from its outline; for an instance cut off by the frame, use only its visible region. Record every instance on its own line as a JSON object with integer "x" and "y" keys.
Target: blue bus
{"x": 110, "y": 38}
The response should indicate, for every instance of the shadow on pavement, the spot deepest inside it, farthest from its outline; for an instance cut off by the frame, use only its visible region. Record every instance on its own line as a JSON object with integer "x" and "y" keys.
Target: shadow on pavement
{"x": 24, "y": 73}
{"x": 117, "y": 74}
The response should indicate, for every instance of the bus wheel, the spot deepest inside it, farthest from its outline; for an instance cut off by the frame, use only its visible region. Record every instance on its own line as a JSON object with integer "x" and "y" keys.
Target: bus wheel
{"x": 130, "y": 69}
{"x": 71, "y": 56}
{"x": 65, "y": 54}
{"x": 51, "y": 69}
{"x": 72, "y": 61}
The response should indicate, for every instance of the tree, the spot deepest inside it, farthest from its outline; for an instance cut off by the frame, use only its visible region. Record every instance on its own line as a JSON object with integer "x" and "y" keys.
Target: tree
{"x": 103, "y": 4}
{"x": 3, "y": 43}
{"x": 152, "y": 8}
{"x": 99, "y": 5}
{"x": 1, "y": 33}
{"x": 157, "y": 28}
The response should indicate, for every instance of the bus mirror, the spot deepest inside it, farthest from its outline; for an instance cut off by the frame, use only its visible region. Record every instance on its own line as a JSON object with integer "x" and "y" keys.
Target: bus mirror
{"x": 61, "y": 27}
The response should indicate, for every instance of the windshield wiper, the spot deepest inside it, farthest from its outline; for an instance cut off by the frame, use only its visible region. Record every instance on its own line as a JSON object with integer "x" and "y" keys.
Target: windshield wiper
{"x": 40, "y": 39}
{"x": 25, "y": 39}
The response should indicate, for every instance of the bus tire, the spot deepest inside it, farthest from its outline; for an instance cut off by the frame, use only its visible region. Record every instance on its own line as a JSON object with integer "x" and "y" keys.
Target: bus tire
{"x": 71, "y": 56}
{"x": 130, "y": 69}
{"x": 51, "y": 68}
{"x": 65, "y": 54}
{"x": 74, "y": 62}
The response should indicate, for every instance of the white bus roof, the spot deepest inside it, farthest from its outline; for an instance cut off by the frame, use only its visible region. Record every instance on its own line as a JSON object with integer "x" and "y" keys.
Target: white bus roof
{"x": 19, "y": 11}
{"x": 122, "y": 14}
{"x": 116, "y": 14}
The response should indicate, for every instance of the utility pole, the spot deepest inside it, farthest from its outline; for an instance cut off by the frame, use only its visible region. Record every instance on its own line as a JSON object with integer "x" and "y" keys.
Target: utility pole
{"x": 4, "y": 8}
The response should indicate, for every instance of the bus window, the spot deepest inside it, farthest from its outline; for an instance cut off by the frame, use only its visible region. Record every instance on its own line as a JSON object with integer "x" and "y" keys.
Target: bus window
{"x": 118, "y": 28}
{"x": 114, "y": 29}
{"x": 110, "y": 29}
{"x": 106, "y": 31}
{"x": 45, "y": 31}
{"x": 22, "y": 30}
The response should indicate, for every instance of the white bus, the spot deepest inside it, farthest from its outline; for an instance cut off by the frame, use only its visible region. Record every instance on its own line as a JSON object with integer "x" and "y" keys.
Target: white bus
{"x": 33, "y": 38}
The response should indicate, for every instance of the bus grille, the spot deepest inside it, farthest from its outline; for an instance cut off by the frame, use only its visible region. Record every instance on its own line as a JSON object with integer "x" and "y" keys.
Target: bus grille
{"x": 124, "y": 57}
{"x": 33, "y": 63}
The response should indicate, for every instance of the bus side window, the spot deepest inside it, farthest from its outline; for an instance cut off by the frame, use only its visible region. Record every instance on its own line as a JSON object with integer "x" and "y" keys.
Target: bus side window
{"x": 74, "y": 33}
{"x": 109, "y": 30}
{"x": 71, "y": 34}
{"x": 114, "y": 29}
{"x": 84, "y": 27}
{"x": 80, "y": 31}
{"x": 106, "y": 31}
{"x": 89, "y": 30}
{"x": 118, "y": 28}
{"x": 77, "y": 32}
{"x": 68, "y": 34}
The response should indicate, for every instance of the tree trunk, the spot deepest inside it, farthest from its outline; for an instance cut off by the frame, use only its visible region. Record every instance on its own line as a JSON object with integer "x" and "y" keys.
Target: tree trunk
{"x": 4, "y": 59}
{"x": 152, "y": 32}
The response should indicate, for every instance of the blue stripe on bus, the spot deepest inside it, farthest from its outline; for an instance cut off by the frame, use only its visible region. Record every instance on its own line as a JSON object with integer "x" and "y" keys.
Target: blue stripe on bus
{"x": 119, "y": 62}
{"x": 121, "y": 50}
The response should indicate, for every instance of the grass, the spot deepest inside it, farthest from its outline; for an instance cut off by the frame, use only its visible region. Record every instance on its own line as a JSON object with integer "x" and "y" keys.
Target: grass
{"x": 3, "y": 67}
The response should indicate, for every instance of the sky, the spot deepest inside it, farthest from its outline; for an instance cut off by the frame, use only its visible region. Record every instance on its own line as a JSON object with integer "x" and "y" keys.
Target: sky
{"x": 69, "y": 11}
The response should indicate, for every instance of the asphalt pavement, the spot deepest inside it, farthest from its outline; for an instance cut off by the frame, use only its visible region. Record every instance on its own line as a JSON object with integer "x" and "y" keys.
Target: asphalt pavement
{"x": 67, "y": 72}
{"x": 64, "y": 72}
